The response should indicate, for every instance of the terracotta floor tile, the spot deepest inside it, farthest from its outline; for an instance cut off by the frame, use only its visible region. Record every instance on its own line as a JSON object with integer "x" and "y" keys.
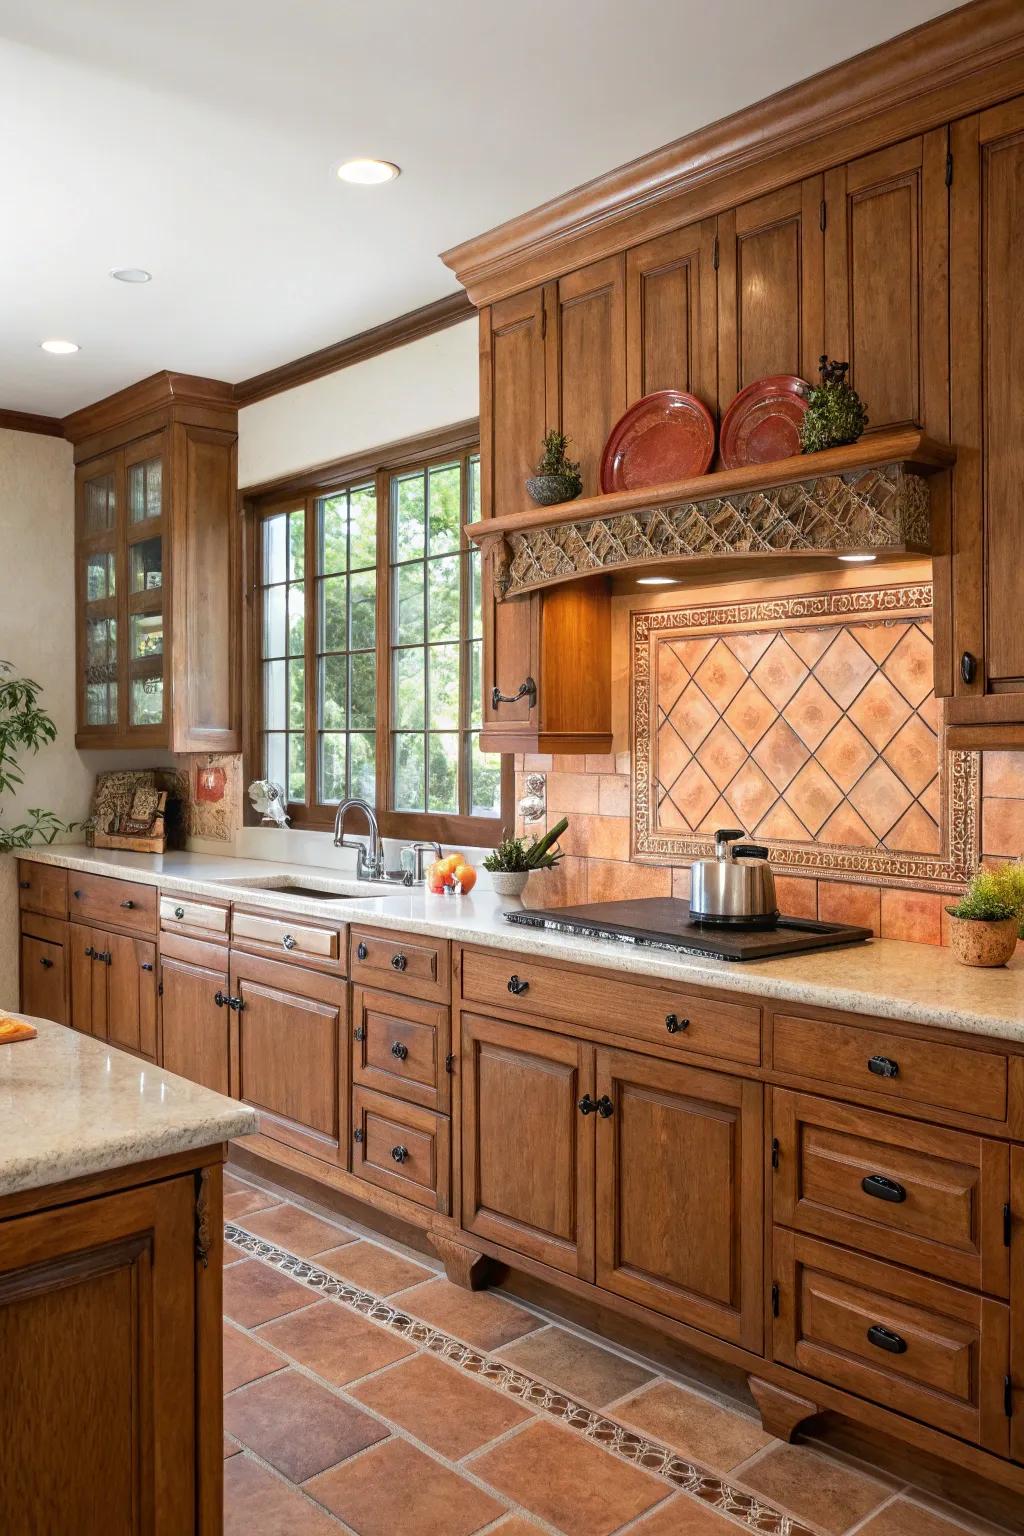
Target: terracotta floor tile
{"x": 683, "y": 1516}
{"x": 397, "y": 1489}
{"x": 298, "y": 1231}
{"x": 232, "y": 1255}
{"x": 245, "y": 1360}
{"x": 575, "y": 1365}
{"x": 254, "y": 1293}
{"x": 441, "y": 1405}
{"x": 336, "y": 1344}
{"x": 256, "y": 1503}
{"x": 244, "y": 1201}
{"x": 296, "y": 1425}
{"x": 701, "y": 1430}
{"x": 230, "y": 1448}
{"x": 376, "y": 1269}
{"x": 516, "y": 1525}
{"x": 566, "y": 1480}
{"x": 235, "y": 1186}
{"x": 825, "y": 1493}
{"x": 482, "y": 1318}
{"x": 902, "y": 1518}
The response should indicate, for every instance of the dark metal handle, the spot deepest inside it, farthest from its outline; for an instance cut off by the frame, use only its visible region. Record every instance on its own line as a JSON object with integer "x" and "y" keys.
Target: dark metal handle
{"x": 883, "y": 1066}
{"x": 750, "y": 851}
{"x": 527, "y": 690}
{"x": 146, "y": 965}
{"x": 77, "y": 895}
{"x": 220, "y": 998}
{"x": 399, "y": 1050}
{"x": 361, "y": 951}
{"x": 605, "y": 1107}
{"x": 102, "y": 955}
{"x": 586, "y": 1105}
{"x": 674, "y": 1024}
{"x": 89, "y": 951}
{"x": 289, "y": 941}
{"x": 47, "y": 965}
{"x": 398, "y": 962}
{"x": 517, "y": 987}
{"x": 24, "y": 885}
{"x": 728, "y": 834}
{"x": 968, "y": 667}
{"x": 357, "y": 1135}
{"x": 236, "y": 1003}
{"x": 359, "y": 1033}
{"x": 885, "y": 1338}
{"x": 179, "y": 913}
{"x": 399, "y": 1154}
{"x": 883, "y": 1189}
{"x": 129, "y": 903}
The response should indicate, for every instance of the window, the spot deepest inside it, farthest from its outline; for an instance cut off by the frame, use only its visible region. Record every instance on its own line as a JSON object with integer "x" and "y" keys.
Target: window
{"x": 367, "y": 637}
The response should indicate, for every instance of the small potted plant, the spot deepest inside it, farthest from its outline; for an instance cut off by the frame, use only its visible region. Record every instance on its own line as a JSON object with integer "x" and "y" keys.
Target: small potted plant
{"x": 835, "y": 412}
{"x": 557, "y": 477}
{"x": 986, "y": 921}
{"x": 514, "y": 860}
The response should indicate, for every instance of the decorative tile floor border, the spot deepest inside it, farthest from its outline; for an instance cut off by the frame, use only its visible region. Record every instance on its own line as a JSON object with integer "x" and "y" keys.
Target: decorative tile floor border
{"x": 661, "y": 1460}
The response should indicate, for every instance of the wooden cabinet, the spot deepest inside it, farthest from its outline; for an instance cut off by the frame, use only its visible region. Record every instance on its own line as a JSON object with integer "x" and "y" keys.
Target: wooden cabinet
{"x": 671, "y": 315}
{"x": 402, "y": 1148}
{"x": 679, "y": 1193}
{"x": 157, "y": 570}
{"x": 527, "y": 1150}
{"x": 195, "y": 1014}
{"x": 113, "y": 988}
{"x": 42, "y": 888}
{"x": 44, "y": 981}
{"x": 987, "y": 334}
{"x": 290, "y": 1057}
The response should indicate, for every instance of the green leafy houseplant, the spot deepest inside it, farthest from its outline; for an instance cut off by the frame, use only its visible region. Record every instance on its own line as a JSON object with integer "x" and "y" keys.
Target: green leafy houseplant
{"x": 557, "y": 477}
{"x": 515, "y": 859}
{"x": 24, "y": 727}
{"x": 987, "y": 920}
{"x": 835, "y": 412}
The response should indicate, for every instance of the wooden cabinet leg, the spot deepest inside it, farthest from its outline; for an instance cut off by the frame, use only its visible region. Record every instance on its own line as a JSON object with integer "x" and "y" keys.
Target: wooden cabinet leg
{"x": 781, "y": 1412}
{"x": 463, "y": 1266}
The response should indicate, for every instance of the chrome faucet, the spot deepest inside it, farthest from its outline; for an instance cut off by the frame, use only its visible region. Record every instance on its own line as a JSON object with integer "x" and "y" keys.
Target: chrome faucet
{"x": 369, "y": 860}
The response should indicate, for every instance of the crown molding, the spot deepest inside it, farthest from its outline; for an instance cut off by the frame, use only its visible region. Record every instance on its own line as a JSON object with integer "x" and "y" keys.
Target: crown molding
{"x": 156, "y": 393}
{"x": 958, "y": 63}
{"x": 27, "y": 421}
{"x": 438, "y": 316}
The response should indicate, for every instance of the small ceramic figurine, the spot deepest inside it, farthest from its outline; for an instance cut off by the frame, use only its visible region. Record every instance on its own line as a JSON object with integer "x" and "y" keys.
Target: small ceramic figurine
{"x": 268, "y": 799}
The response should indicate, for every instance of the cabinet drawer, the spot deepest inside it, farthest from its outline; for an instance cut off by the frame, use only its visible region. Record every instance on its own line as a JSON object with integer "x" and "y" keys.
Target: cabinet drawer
{"x": 42, "y": 888}
{"x": 113, "y": 903}
{"x": 415, "y": 966}
{"x": 282, "y": 938}
{"x": 200, "y": 919}
{"x": 918, "y": 1346}
{"x": 400, "y": 1046}
{"x": 924, "y": 1196}
{"x": 401, "y": 1147}
{"x": 891, "y": 1066}
{"x": 43, "y": 979}
{"x": 667, "y": 1016}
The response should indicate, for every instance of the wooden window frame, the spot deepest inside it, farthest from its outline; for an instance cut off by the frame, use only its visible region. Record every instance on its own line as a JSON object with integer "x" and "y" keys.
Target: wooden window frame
{"x": 261, "y": 502}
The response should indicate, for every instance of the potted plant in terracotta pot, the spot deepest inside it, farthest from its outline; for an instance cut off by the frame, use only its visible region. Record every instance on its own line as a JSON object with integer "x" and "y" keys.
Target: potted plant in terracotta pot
{"x": 986, "y": 922}
{"x": 557, "y": 477}
{"x": 514, "y": 860}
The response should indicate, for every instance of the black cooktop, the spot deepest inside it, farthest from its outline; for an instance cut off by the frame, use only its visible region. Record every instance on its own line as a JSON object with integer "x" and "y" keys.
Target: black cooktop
{"x": 663, "y": 922}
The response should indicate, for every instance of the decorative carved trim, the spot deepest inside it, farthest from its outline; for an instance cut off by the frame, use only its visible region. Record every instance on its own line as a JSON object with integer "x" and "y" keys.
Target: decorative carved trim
{"x": 961, "y": 807}
{"x": 204, "y": 1224}
{"x": 883, "y": 507}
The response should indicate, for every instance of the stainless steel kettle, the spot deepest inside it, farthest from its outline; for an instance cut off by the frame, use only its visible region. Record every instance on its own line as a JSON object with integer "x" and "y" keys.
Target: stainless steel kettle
{"x": 736, "y": 887}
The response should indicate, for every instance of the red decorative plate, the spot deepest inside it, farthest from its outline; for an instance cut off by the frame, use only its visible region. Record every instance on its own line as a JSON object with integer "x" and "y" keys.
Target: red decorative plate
{"x": 663, "y": 437}
{"x": 763, "y": 422}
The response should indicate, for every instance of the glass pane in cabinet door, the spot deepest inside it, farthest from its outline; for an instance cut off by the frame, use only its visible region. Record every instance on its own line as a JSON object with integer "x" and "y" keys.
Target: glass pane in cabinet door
{"x": 100, "y": 648}
{"x": 100, "y": 504}
{"x": 147, "y": 635}
{"x": 147, "y": 565}
{"x": 146, "y": 701}
{"x": 99, "y": 576}
{"x": 145, "y": 490}
{"x": 101, "y": 703}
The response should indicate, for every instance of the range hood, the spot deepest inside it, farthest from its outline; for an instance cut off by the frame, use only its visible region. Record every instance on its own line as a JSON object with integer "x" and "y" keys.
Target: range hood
{"x": 871, "y": 497}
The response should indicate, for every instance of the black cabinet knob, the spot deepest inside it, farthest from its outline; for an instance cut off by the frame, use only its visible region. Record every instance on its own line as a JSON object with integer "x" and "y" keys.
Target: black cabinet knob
{"x": 77, "y": 895}
{"x": 398, "y": 962}
{"x": 220, "y": 998}
{"x": 361, "y": 951}
{"x": 129, "y": 903}
{"x": 674, "y": 1024}
{"x": 289, "y": 941}
{"x": 885, "y": 1338}
{"x": 357, "y": 1135}
{"x": 24, "y": 885}
{"x": 147, "y": 965}
{"x": 47, "y": 965}
{"x": 883, "y": 1066}
{"x": 89, "y": 951}
{"x": 179, "y": 913}
{"x": 399, "y": 1051}
{"x": 605, "y": 1107}
{"x": 968, "y": 667}
{"x": 586, "y": 1105}
{"x": 359, "y": 1033}
{"x": 517, "y": 987}
{"x": 883, "y": 1189}
{"x": 399, "y": 1154}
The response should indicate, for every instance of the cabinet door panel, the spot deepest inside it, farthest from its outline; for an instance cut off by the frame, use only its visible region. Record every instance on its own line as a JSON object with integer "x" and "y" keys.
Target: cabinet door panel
{"x": 770, "y": 288}
{"x": 291, "y": 1057}
{"x": 195, "y": 1032}
{"x": 587, "y": 362}
{"x": 679, "y": 1193}
{"x": 527, "y": 1151}
{"x": 131, "y": 993}
{"x": 671, "y": 319}
{"x": 88, "y": 980}
{"x": 43, "y": 979}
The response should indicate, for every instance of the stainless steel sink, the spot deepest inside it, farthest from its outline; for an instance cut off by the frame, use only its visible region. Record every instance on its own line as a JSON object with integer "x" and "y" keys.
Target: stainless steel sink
{"x": 287, "y": 886}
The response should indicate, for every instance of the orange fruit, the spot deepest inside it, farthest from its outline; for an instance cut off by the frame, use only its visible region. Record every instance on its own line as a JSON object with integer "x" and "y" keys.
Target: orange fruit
{"x": 453, "y": 859}
{"x": 465, "y": 874}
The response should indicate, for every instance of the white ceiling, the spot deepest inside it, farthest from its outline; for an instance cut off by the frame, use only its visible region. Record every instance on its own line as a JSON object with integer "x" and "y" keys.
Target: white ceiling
{"x": 199, "y": 140}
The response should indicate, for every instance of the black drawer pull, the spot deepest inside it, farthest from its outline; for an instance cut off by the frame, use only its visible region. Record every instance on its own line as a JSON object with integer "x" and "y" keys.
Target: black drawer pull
{"x": 586, "y": 1105}
{"x": 674, "y": 1024}
{"x": 77, "y": 895}
{"x": 179, "y": 913}
{"x": 289, "y": 941}
{"x": 147, "y": 965}
{"x": 357, "y": 1135}
{"x": 968, "y": 667}
{"x": 89, "y": 951}
{"x": 399, "y": 1051}
{"x": 398, "y": 962}
{"x": 128, "y": 903}
{"x": 517, "y": 987}
{"x": 361, "y": 951}
{"x": 399, "y": 1154}
{"x": 605, "y": 1107}
{"x": 883, "y": 1189}
{"x": 883, "y": 1066}
{"x": 359, "y": 1033}
{"x": 527, "y": 690}
{"x": 884, "y": 1338}
{"x": 47, "y": 965}
{"x": 237, "y": 1004}
{"x": 24, "y": 885}
{"x": 220, "y": 998}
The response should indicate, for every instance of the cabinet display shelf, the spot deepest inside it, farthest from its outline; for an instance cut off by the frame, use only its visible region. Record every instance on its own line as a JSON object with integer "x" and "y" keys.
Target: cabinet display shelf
{"x": 870, "y": 496}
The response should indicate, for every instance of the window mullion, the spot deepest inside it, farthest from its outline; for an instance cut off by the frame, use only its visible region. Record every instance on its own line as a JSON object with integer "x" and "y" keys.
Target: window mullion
{"x": 310, "y": 645}
{"x": 465, "y": 645}
{"x": 383, "y": 770}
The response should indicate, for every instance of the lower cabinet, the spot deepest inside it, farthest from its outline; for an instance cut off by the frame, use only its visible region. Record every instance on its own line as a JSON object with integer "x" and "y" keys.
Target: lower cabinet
{"x": 113, "y": 988}
{"x": 44, "y": 982}
{"x": 401, "y": 1147}
{"x": 290, "y": 1053}
{"x": 196, "y": 1018}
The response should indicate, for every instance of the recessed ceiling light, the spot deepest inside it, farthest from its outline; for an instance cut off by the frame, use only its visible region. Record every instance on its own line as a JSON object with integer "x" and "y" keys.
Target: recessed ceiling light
{"x": 131, "y": 274}
{"x": 657, "y": 581}
{"x": 368, "y": 173}
{"x": 858, "y": 559}
{"x": 61, "y": 348}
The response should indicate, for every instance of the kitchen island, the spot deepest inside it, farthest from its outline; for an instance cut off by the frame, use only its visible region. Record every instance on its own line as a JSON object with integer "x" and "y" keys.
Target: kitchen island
{"x": 110, "y": 1289}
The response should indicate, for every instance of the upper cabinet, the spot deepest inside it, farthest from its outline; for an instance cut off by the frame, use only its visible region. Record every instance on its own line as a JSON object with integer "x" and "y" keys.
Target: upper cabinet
{"x": 671, "y": 319}
{"x": 987, "y": 333}
{"x": 157, "y": 568}
{"x": 586, "y": 362}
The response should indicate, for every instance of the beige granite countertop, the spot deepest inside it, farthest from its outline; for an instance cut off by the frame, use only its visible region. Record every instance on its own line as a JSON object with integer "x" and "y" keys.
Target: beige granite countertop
{"x": 71, "y": 1105}
{"x": 916, "y": 983}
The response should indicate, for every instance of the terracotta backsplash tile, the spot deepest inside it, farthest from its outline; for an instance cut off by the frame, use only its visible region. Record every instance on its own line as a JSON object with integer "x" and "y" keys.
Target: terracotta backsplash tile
{"x": 1002, "y": 826}
{"x": 613, "y": 794}
{"x": 575, "y": 791}
{"x": 839, "y": 902}
{"x": 796, "y": 898}
{"x": 607, "y": 881}
{"x": 912, "y": 915}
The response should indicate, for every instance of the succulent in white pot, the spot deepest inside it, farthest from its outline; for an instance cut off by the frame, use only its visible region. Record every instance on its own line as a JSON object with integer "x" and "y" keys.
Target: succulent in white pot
{"x": 514, "y": 860}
